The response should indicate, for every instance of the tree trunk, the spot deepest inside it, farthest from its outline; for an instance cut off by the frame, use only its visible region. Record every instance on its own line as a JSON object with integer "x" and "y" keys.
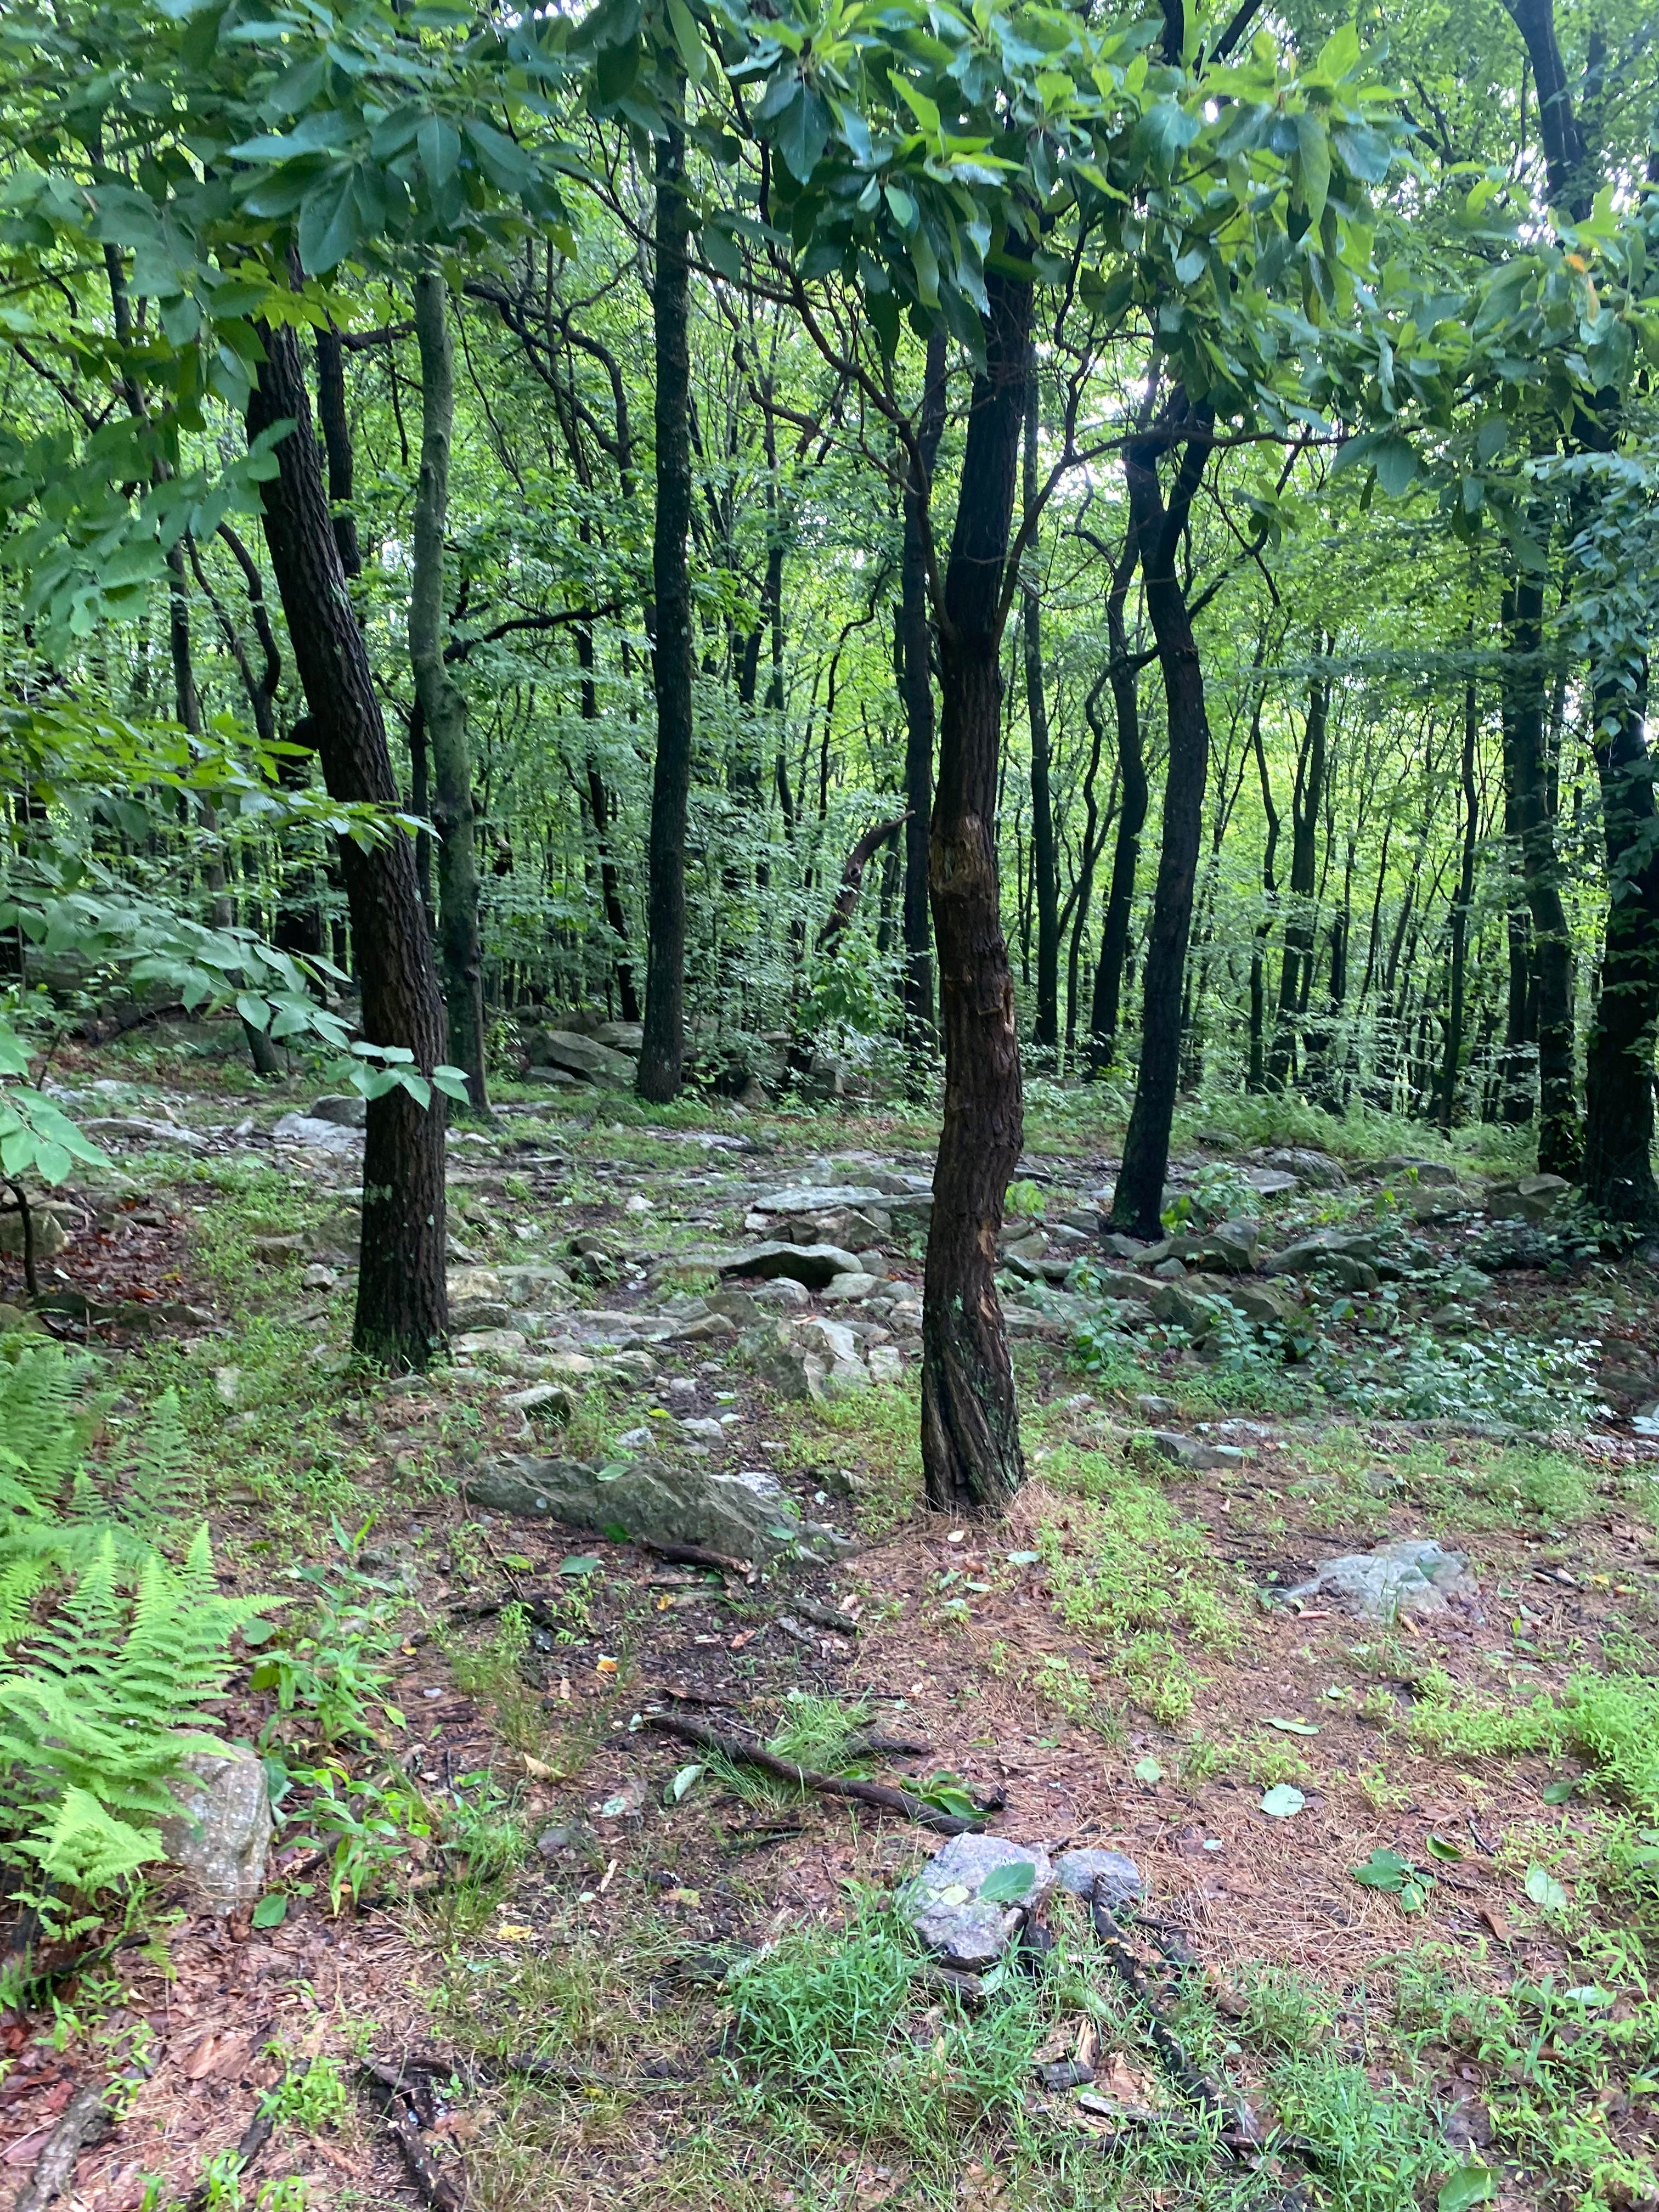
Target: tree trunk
{"x": 1045, "y": 1033}
{"x": 971, "y": 1459}
{"x": 337, "y": 445}
{"x": 1551, "y": 942}
{"x": 1460, "y": 914}
{"x": 402, "y": 1310}
{"x": 1306, "y": 798}
{"x": 662, "y": 1056}
{"x": 443, "y": 704}
{"x": 1105, "y": 1010}
{"x": 1619, "y": 1179}
{"x": 1137, "y": 1201}
{"x": 918, "y": 680}
{"x": 1257, "y": 1078}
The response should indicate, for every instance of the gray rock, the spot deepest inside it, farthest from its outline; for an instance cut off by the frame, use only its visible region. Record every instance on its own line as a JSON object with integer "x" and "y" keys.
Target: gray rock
{"x": 552, "y": 1077}
{"x": 816, "y": 1359}
{"x": 1402, "y": 1166}
{"x": 1119, "y": 1877}
{"x": 222, "y": 1834}
{"x": 1230, "y": 1245}
{"x": 553, "y": 1402}
{"x": 1535, "y": 1199}
{"x": 621, "y": 1037}
{"x": 581, "y": 1056}
{"x": 782, "y": 1290}
{"x": 347, "y": 1109}
{"x": 740, "y": 1514}
{"x": 859, "y": 1285}
{"x": 1410, "y": 1575}
{"x": 138, "y": 1129}
{"x": 501, "y": 1344}
{"x": 814, "y": 1265}
{"x": 471, "y": 1315}
{"x": 704, "y": 1429}
{"x": 1310, "y": 1253}
{"x": 942, "y": 1901}
{"x": 1192, "y": 1452}
{"x": 1188, "y": 1305}
{"x": 885, "y": 1362}
{"x": 47, "y": 1229}
{"x": 1317, "y": 1170}
{"x": 319, "y": 1136}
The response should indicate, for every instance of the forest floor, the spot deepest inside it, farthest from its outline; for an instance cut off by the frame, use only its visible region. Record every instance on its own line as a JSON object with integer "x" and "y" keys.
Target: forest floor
{"x": 617, "y": 1973}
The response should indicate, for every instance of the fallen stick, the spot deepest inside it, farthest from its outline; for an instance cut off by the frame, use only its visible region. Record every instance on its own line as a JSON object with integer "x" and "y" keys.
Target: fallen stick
{"x": 748, "y": 1751}
{"x": 386, "y": 2094}
{"x": 694, "y": 1555}
{"x": 85, "y": 2120}
{"x": 252, "y": 2139}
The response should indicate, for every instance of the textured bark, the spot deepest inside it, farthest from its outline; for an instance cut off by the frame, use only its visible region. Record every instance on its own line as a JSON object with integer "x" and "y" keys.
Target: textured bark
{"x": 1619, "y": 1180}
{"x": 918, "y": 681}
{"x": 1453, "y": 1059}
{"x": 1297, "y": 970}
{"x": 1045, "y": 1032}
{"x": 1558, "y": 1148}
{"x": 1105, "y": 1012}
{"x": 1138, "y": 1199}
{"x": 1257, "y": 1078}
{"x": 662, "y": 1056}
{"x": 336, "y": 446}
{"x": 443, "y": 703}
{"x": 401, "y": 1312}
{"x": 971, "y": 1460}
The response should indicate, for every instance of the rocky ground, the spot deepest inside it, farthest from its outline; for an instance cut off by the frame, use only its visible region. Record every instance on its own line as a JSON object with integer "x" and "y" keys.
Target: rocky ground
{"x": 1320, "y": 1633}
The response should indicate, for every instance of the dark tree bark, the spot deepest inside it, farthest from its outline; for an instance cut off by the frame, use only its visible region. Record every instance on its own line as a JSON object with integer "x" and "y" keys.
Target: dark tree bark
{"x": 1257, "y": 1078}
{"x": 662, "y": 1056}
{"x": 402, "y": 1309}
{"x": 970, "y": 1450}
{"x": 443, "y": 703}
{"x": 918, "y": 681}
{"x": 1306, "y": 798}
{"x": 1105, "y": 1011}
{"x": 1464, "y": 900}
{"x": 337, "y": 445}
{"x": 1558, "y": 1149}
{"x": 1045, "y": 1032}
{"x": 1619, "y": 1180}
{"x": 1138, "y": 1200}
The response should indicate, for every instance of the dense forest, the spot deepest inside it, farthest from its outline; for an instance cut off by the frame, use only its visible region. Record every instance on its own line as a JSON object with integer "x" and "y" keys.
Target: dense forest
{"x": 1013, "y": 567}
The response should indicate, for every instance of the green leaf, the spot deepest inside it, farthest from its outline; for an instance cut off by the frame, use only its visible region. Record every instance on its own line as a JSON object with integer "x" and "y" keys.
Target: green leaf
{"x": 1006, "y": 1885}
{"x": 685, "y": 1780}
{"x": 1313, "y": 161}
{"x": 1442, "y": 1847}
{"x": 1292, "y": 1727}
{"x": 1283, "y": 1802}
{"x": 1148, "y": 1770}
{"x": 272, "y": 1910}
{"x": 1396, "y": 460}
{"x": 328, "y": 224}
{"x": 1545, "y": 1892}
{"x": 688, "y": 39}
{"x": 1465, "y": 2185}
{"x": 1383, "y": 1870}
{"x": 1558, "y": 1792}
{"x": 578, "y": 1564}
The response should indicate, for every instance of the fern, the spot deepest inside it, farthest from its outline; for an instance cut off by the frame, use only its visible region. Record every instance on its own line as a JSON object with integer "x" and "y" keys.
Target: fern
{"x": 157, "y": 1489}
{"x": 99, "y": 1701}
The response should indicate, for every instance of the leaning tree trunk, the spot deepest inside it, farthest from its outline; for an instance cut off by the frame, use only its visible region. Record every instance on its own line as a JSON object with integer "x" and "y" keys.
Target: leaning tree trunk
{"x": 443, "y": 704}
{"x": 1138, "y": 1200}
{"x": 970, "y": 1451}
{"x": 1046, "y": 1030}
{"x": 1297, "y": 970}
{"x": 662, "y": 1054}
{"x": 402, "y": 1310}
{"x": 918, "y": 680}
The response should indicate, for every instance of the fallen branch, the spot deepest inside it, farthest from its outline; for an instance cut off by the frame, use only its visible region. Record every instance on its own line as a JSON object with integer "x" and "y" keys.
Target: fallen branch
{"x": 852, "y": 877}
{"x": 86, "y": 2119}
{"x": 694, "y": 1555}
{"x": 749, "y": 1751}
{"x": 252, "y": 2139}
{"x": 1194, "y": 2085}
{"x": 387, "y": 2095}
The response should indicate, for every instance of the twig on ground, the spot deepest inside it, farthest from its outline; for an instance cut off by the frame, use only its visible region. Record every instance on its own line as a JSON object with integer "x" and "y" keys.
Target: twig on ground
{"x": 1194, "y": 2085}
{"x": 749, "y": 1751}
{"x": 387, "y": 2095}
{"x": 85, "y": 2118}
{"x": 253, "y": 2138}
{"x": 694, "y": 1555}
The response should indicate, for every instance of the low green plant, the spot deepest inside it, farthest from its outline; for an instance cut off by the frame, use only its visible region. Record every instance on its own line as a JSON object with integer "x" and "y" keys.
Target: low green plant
{"x": 1611, "y": 1721}
{"x": 318, "y": 2097}
{"x": 329, "y": 1674}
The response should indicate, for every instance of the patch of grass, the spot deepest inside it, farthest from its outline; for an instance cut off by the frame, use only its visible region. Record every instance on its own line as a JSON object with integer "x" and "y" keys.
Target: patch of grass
{"x": 1121, "y": 1560}
{"x": 1612, "y": 1722}
{"x": 876, "y": 1437}
{"x": 1283, "y": 2011}
{"x": 1069, "y": 1688}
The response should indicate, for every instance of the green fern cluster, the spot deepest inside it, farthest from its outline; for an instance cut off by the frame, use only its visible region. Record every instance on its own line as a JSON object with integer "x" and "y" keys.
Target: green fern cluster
{"x": 110, "y": 1656}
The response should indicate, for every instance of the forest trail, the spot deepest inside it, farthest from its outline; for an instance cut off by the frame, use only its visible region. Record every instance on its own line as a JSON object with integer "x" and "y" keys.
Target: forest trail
{"x": 595, "y": 1965}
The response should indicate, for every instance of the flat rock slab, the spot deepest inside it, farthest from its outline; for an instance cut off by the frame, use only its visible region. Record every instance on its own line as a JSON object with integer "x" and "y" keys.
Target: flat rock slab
{"x": 943, "y": 1902}
{"x": 139, "y": 1129}
{"x": 1118, "y": 1877}
{"x": 748, "y": 1516}
{"x": 581, "y": 1056}
{"x": 1411, "y": 1575}
{"x": 319, "y": 1136}
{"x": 814, "y": 1265}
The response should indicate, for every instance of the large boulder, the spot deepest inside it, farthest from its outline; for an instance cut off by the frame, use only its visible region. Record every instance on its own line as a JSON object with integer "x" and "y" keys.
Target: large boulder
{"x": 222, "y": 1834}
{"x": 743, "y": 1516}
{"x": 814, "y": 1265}
{"x": 1230, "y": 1246}
{"x": 1312, "y": 1254}
{"x": 47, "y": 1228}
{"x": 816, "y": 1359}
{"x": 1317, "y": 1170}
{"x": 318, "y": 1136}
{"x": 1411, "y": 1575}
{"x": 621, "y": 1037}
{"x": 945, "y": 1904}
{"x": 1190, "y": 1304}
{"x": 581, "y": 1057}
{"x": 347, "y": 1109}
{"x": 1535, "y": 1200}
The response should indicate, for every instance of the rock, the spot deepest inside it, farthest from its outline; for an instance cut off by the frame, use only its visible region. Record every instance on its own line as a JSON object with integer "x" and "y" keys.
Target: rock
{"x": 571, "y": 1843}
{"x": 317, "y": 1278}
{"x": 813, "y": 1264}
{"x": 553, "y": 1401}
{"x": 814, "y": 1359}
{"x": 288, "y": 1247}
{"x": 1308, "y": 1255}
{"x": 1192, "y": 1452}
{"x": 1119, "y": 1877}
{"x": 1188, "y": 1304}
{"x": 1125, "y": 1248}
{"x": 136, "y": 1129}
{"x": 49, "y": 1236}
{"x": 1401, "y": 1167}
{"x": 704, "y": 1429}
{"x": 885, "y": 1362}
{"x": 942, "y": 1901}
{"x": 581, "y": 1057}
{"x": 1411, "y": 1575}
{"x": 1535, "y": 1200}
{"x": 858, "y": 1284}
{"x": 1317, "y": 1170}
{"x": 318, "y": 1136}
{"x": 347, "y": 1109}
{"x": 1170, "y": 1270}
{"x": 223, "y": 1833}
{"x": 464, "y": 1283}
{"x": 536, "y": 1283}
{"x": 553, "y": 1077}
{"x": 744, "y": 1307}
{"x": 747, "y": 1515}
{"x": 621, "y": 1037}
{"x": 704, "y": 1329}
{"x": 1517, "y": 1244}
{"x": 472, "y": 1315}
{"x": 1230, "y": 1245}
{"x": 508, "y": 1343}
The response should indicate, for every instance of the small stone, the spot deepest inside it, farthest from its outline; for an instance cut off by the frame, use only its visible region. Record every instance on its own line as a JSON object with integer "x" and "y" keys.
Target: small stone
{"x": 227, "y": 1384}
{"x": 1411, "y": 1575}
{"x": 1170, "y": 1270}
{"x": 491, "y": 1344}
{"x": 1191, "y": 1452}
{"x": 858, "y": 1284}
{"x": 220, "y": 1836}
{"x": 346, "y": 1110}
{"x": 316, "y": 1278}
{"x": 1119, "y": 1877}
{"x": 571, "y": 1842}
{"x": 553, "y": 1402}
{"x": 942, "y": 1901}
{"x": 704, "y": 1429}
{"x": 885, "y": 1362}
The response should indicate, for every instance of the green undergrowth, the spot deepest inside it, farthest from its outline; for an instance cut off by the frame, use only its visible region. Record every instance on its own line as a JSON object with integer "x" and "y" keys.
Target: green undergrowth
{"x": 1348, "y": 1481}
{"x": 1610, "y": 1721}
{"x": 874, "y": 1437}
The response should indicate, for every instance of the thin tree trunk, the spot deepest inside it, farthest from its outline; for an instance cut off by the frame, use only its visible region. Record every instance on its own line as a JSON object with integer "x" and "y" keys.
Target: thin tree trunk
{"x": 1619, "y": 1179}
{"x": 402, "y": 1311}
{"x": 1306, "y": 799}
{"x": 1045, "y": 1033}
{"x": 1459, "y": 913}
{"x": 1138, "y": 1200}
{"x": 662, "y": 1056}
{"x": 1105, "y": 1011}
{"x": 970, "y": 1451}
{"x": 443, "y": 704}
{"x": 1257, "y": 1077}
{"x": 918, "y": 682}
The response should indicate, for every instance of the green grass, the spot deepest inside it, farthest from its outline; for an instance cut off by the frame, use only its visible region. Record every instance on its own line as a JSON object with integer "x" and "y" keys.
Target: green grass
{"x": 875, "y": 1437}
{"x": 1121, "y": 1561}
{"x": 1611, "y": 1722}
